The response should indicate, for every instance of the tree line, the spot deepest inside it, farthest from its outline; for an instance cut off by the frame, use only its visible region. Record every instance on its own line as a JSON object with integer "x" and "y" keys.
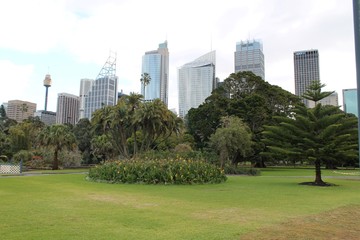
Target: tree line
{"x": 245, "y": 119}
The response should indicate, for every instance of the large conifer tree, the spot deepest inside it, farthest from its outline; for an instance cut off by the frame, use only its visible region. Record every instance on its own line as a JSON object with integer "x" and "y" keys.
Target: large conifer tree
{"x": 316, "y": 134}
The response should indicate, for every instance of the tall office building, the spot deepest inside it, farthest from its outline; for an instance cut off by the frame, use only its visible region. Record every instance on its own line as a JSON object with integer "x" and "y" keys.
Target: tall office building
{"x": 103, "y": 91}
{"x": 306, "y": 70}
{"x": 85, "y": 86}
{"x": 20, "y": 110}
{"x": 67, "y": 110}
{"x": 350, "y": 103}
{"x": 156, "y": 64}
{"x": 249, "y": 56}
{"x": 196, "y": 81}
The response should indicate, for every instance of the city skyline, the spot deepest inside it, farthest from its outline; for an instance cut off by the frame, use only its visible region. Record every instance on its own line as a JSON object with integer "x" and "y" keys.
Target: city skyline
{"x": 61, "y": 39}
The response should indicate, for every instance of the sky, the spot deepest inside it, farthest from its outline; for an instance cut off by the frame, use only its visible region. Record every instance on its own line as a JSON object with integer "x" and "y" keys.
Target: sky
{"x": 72, "y": 39}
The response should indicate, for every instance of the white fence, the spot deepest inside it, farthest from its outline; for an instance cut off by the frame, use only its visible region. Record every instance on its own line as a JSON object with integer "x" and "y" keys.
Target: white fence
{"x": 11, "y": 168}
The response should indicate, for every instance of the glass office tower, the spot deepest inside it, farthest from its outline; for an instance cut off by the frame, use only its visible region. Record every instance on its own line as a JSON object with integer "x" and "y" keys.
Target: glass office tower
{"x": 156, "y": 64}
{"x": 350, "y": 101}
{"x": 249, "y": 56}
{"x": 103, "y": 91}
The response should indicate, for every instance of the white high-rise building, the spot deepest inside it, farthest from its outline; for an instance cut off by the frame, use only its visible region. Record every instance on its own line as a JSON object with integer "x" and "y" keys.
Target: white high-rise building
{"x": 67, "y": 110}
{"x": 85, "y": 86}
{"x": 156, "y": 64}
{"x": 249, "y": 56}
{"x": 332, "y": 100}
{"x": 196, "y": 81}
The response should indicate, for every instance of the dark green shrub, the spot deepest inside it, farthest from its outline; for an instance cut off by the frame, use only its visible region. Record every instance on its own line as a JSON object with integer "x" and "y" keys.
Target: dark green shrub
{"x": 23, "y": 155}
{"x": 241, "y": 170}
{"x": 173, "y": 171}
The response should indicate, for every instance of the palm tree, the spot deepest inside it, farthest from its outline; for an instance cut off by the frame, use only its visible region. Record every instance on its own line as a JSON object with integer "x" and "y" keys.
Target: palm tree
{"x": 58, "y": 137}
{"x": 24, "y": 108}
{"x": 134, "y": 102}
{"x": 102, "y": 147}
{"x": 145, "y": 79}
{"x": 155, "y": 121}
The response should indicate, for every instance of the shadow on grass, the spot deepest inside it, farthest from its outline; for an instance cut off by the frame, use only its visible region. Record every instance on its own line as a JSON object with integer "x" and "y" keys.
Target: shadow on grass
{"x": 324, "y": 184}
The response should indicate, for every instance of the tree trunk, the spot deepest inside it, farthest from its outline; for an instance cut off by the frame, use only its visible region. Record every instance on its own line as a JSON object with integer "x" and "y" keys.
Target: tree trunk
{"x": 318, "y": 180}
{"x": 260, "y": 163}
{"x": 56, "y": 160}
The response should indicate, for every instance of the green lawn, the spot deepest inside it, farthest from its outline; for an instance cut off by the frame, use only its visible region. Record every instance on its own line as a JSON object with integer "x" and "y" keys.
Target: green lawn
{"x": 271, "y": 206}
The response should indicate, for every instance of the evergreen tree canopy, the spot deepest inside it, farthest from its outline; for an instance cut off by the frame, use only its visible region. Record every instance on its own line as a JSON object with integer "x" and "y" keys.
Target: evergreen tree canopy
{"x": 317, "y": 134}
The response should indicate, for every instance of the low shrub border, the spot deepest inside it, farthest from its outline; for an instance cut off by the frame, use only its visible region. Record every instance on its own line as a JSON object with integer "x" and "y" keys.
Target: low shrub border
{"x": 173, "y": 171}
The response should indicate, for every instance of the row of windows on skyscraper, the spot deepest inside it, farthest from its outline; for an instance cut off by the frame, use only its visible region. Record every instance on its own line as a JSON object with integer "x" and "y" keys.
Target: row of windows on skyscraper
{"x": 196, "y": 80}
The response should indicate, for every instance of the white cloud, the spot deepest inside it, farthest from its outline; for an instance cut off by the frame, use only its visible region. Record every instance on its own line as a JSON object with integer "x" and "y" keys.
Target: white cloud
{"x": 15, "y": 81}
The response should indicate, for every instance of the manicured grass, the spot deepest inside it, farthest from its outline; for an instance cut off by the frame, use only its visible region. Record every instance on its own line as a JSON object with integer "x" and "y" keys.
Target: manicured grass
{"x": 66, "y": 206}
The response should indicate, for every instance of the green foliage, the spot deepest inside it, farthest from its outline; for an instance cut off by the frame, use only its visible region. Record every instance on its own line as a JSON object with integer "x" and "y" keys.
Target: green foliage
{"x": 203, "y": 121}
{"x": 174, "y": 171}
{"x": 323, "y": 134}
{"x": 5, "y": 145}
{"x": 207, "y": 155}
{"x": 314, "y": 92}
{"x": 57, "y": 137}
{"x": 83, "y": 134}
{"x": 237, "y": 169}
{"x": 43, "y": 159}
{"x": 132, "y": 122}
{"x": 248, "y": 97}
{"x": 23, "y": 155}
{"x": 102, "y": 147}
{"x": 2, "y": 112}
{"x": 145, "y": 79}
{"x": 22, "y": 135}
{"x": 182, "y": 147}
{"x": 232, "y": 139}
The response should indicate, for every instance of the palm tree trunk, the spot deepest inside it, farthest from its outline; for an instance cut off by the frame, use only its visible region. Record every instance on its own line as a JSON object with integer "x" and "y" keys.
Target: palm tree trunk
{"x": 56, "y": 160}
{"x": 318, "y": 180}
{"x": 135, "y": 143}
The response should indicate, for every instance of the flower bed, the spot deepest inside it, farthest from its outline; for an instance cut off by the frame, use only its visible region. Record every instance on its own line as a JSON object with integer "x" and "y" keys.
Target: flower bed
{"x": 174, "y": 171}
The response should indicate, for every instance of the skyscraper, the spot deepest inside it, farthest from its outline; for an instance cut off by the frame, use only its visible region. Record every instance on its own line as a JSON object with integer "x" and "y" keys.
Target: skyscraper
{"x": 67, "y": 110}
{"x": 103, "y": 91}
{"x": 20, "y": 110}
{"x": 350, "y": 101}
{"x": 85, "y": 86}
{"x": 196, "y": 81}
{"x": 249, "y": 56}
{"x": 306, "y": 70}
{"x": 156, "y": 64}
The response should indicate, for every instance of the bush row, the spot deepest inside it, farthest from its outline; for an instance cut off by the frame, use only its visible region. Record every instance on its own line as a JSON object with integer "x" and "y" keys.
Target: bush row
{"x": 173, "y": 171}
{"x": 240, "y": 170}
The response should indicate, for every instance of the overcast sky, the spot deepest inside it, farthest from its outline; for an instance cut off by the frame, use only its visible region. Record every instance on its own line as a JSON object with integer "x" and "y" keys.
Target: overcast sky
{"x": 71, "y": 39}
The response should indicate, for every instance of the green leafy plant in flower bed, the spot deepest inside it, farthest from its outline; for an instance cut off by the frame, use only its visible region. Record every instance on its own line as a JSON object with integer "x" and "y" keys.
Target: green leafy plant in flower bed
{"x": 173, "y": 171}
